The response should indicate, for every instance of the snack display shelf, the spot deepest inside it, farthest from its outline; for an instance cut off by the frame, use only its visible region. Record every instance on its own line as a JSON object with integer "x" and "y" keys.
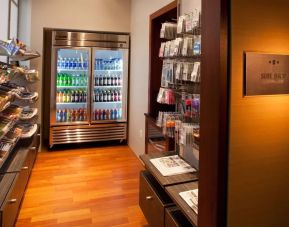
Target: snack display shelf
{"x": 8, "y": 143}
{"x": 28, "y": 113}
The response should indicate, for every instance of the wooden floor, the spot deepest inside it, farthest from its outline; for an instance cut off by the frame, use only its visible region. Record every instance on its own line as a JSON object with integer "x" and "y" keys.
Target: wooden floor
{"x": 87, "y": 187}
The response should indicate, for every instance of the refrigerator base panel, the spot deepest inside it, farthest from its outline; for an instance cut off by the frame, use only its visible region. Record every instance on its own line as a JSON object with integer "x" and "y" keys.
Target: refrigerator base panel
{"x": 87, "y": 133}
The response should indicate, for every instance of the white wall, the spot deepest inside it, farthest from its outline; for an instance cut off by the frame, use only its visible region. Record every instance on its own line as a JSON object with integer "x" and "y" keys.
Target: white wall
{"x": 4, "y": 12}
{"x": 139, "y": 70}
{"x": 98, "y": 15}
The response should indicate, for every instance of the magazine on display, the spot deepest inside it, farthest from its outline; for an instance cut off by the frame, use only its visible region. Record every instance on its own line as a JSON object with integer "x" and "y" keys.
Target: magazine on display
{"x": 191, "y": 198}
{"x": 172, "y": 165}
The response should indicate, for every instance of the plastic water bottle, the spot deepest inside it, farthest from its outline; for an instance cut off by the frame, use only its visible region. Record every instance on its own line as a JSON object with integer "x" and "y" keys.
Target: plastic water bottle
{"x": 74, "y": 63}
{"x": 66, "y": 63}
{"x": 59, "y": 62}
{"x": 70, "y": 63}
{"x": 78, "y": 63}
{"x": 85, "y": 64}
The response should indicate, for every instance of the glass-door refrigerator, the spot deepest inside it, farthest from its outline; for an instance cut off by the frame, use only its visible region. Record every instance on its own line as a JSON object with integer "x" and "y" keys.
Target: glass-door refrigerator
{"x": 109, "y": 85}
{"x": 70, "y": 90}
{"x": 85, "y": 86}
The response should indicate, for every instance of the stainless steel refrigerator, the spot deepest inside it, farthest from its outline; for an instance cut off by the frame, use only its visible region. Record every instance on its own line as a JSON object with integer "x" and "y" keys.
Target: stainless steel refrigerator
{"x": 85, "y": 83}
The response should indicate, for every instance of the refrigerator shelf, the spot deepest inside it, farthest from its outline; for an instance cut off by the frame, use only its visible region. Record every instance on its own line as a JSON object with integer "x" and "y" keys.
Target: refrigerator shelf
{"x": 108, "y": 86}
{"x": 109, "y": 102}
{"x": 108, "y": 70}
{"x": 70, "y": 103}
{"x": 72, "y": 87}
{"x": 72, "y": 70}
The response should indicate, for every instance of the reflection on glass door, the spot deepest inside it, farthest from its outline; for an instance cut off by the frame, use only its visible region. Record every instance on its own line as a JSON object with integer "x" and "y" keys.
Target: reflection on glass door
{"x": 108, "y": 87}
{"x": 72, "y": 81}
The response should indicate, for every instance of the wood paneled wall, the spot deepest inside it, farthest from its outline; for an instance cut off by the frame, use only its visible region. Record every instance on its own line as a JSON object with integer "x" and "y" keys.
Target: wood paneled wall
{"x": 259, "y": 144}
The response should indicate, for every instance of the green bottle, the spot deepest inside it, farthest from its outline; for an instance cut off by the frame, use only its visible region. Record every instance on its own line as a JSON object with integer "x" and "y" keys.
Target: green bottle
{"x": 60, "y": 81}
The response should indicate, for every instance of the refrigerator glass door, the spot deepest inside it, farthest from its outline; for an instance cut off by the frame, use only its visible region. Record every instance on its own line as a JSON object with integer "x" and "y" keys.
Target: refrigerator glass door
{"x": 109, "y": 85}
{"x": 70, "y": 83}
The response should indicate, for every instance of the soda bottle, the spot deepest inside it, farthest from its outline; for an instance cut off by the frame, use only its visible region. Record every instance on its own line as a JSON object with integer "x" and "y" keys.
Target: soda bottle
{"x": 115, "y": 95}
{"x": 109, "y": 82}
{"x": 76, "y": 96}
{"x": 84, "y": 79}
{"x": 84, "y": 96}
{"x": 68, "y": 115}
{"x": 114, "y": 80}
{"x": 80, "y": 93}
{"x": 100, "y": 80}
{"x": 100, "y": 96}
{"x": 61, "y": 116}
{"x": 73, "y": 115}
{"x": 95, "y": 115}
{"x": 80, "y": 114}
{"x": 57, "y": 116}
{"x": 72, "y": 80}
{"x": 119, "y": 79}
{"x": 84, "y": 115}
{"x": 72, "y": 99}
{"x": 68, "y": 96}
{"x": 64, "y": 115}
{"x": 104, "y": 96}
{"x": 96, "y": 80}
{"x": 111, "y": 115}
{"x": 115, "y": 114}
{"x": 77, "y": 115}
{"x": 69, "y": 80}
{"x": 57, "y": 96}
{"x": 103, "y": 115}
{"x": 57, "y": 79}
{"x": 64, "y": 96}
{"x": 104, "y": 80}
{"x": 60, "y": 97}
{"x": 77, "y": 80}
{"x": 60, "y": 80}
{"x": 108, "y": 96}
{"x": 119, "y": 96}
{"x": 119, "y": 113}
{"x": 107, "y": 115}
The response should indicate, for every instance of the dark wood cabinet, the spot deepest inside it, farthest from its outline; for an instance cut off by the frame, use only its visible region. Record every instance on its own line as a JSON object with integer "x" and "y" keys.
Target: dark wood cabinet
{"x": 14, "y": 179}
{"x": 157, "y": 196}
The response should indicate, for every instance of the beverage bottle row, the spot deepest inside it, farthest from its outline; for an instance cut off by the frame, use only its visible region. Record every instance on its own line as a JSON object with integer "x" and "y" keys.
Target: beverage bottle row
{"x": 65, "y": 79}
{"x": 67, "y": 95}
{"x": 72, "y": 63}
{"x": 107, "y": 95}
{"x": 108, "y": 64}
{"x": 69, "y": 115}
{"x": 108, "y": 80}
{"x": 108, "y": 114}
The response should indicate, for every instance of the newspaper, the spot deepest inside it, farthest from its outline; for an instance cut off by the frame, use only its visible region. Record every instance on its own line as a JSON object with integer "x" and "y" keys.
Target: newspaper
{"x": 191, "y": 198}
{"x": 172, "y": 165}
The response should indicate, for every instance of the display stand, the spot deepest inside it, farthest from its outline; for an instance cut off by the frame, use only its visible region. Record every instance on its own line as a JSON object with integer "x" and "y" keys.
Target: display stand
{"x": 20, "y": 135}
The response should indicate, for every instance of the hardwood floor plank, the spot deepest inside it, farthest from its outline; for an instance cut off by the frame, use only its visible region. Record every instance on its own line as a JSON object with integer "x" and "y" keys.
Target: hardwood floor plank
{"x": 83, "y": 187}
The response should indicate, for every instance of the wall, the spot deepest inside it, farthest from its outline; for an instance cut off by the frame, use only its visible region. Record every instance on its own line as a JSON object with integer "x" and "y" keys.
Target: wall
{"x": 139, "y": 70}
{"x": 99, "y": 15}
{"x": 259, "y": 144}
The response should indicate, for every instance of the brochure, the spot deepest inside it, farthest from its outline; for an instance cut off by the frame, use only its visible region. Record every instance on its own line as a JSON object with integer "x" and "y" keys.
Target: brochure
{"x": 191, "y": 198}
{"x": 172, "y": 165}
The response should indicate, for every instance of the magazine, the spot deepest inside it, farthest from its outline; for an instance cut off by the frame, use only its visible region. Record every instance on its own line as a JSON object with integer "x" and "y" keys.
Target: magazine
{"x": 172, "y": 165}
{"x": 191, "y": 198}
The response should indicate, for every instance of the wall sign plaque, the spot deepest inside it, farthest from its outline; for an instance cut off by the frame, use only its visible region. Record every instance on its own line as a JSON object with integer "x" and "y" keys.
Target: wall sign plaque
{"x": 266, "y": 74}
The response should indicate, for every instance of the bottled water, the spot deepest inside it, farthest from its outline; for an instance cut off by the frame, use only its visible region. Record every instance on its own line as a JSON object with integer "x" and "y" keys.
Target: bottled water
{"x": 59, "y": 62}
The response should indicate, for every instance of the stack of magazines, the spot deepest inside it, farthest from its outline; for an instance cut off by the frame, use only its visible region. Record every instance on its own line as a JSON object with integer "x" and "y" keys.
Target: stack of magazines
{"x": 172, "y": 165}
{"x": 191, "y": 198}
